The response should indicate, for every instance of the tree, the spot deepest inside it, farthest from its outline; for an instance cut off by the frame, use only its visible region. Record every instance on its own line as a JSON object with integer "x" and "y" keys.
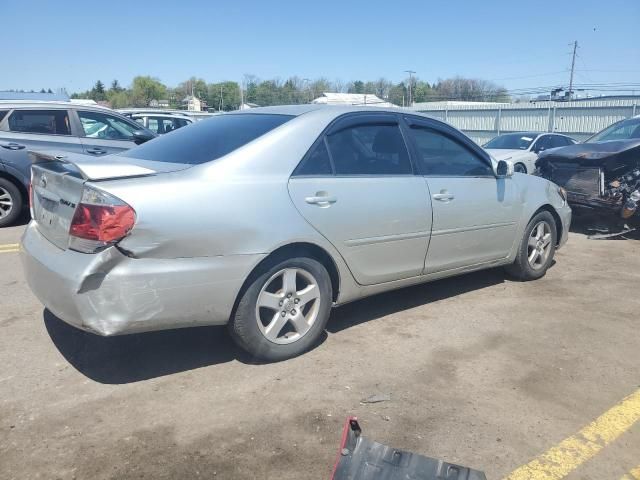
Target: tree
{"x": 356, "y": 87}
{"x": 42, "y": 90}
{"x": 49, "y": 90}
{"x": 224, "y": 96}
{"x": 115, "y": 87}
{"x": 144, "y": 89}
{"x": 97, "y": 93}
{"x": 470, "y": 89}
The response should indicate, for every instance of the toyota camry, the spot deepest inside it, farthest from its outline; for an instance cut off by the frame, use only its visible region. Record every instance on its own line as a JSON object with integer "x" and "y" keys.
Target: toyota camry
{"x": 266, "y": 219}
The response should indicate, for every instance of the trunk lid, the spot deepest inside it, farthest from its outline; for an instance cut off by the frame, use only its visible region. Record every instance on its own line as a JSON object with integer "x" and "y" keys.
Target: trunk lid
{"x": 57, "y": 182}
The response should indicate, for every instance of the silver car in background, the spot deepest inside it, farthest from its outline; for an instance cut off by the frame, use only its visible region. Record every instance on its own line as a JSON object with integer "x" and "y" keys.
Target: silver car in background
{"x": 265, "y": 219}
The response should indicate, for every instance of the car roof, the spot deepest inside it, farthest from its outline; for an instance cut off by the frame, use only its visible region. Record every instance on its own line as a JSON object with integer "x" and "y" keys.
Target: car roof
{"x": 327, "y": 110}
{"x": 14, "y": 104}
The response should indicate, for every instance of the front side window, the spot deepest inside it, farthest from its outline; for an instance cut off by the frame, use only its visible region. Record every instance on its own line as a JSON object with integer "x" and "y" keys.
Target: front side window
{"x": 209, "y": 139}
{"x": 439, "y": 155}
{"x": 52, "y": 122}
{"x": 105, "y": 127}
{"x": 369, "y": 150}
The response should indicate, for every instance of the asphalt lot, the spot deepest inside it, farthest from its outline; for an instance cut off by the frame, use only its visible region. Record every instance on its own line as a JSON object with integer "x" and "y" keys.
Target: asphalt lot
{"x": 482, "y": 371}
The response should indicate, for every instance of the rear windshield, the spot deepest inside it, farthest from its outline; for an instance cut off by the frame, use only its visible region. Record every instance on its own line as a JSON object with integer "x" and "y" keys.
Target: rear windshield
{"x": 208, "y": 139}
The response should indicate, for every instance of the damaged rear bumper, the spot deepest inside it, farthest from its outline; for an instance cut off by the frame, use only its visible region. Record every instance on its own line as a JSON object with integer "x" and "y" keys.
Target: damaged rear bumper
{"x": 109, "y": 293}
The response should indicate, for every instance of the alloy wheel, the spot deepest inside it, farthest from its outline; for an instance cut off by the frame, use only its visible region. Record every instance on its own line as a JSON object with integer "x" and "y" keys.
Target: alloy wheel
{"x": 288, "y": 305}
{"x": 539, "y": 245}
{"x": 6, "y": 203}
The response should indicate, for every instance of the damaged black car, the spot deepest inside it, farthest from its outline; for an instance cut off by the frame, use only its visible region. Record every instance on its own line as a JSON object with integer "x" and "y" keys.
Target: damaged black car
{"x": 601, "y": 176}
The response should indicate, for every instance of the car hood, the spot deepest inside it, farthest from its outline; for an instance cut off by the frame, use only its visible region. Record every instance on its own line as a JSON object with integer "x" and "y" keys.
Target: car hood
{"x": 503, "y": 154}
{"x": 610, "y": 155}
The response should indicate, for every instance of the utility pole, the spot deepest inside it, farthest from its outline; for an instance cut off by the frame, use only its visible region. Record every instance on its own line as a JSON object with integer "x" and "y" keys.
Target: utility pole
{"x": 410, "y": 72}
{"x": 573, "y": 64}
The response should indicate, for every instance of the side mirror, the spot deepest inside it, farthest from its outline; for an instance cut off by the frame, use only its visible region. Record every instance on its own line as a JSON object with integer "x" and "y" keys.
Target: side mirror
{"x": 141, "y": 136}
{"x": 504, "y": 169}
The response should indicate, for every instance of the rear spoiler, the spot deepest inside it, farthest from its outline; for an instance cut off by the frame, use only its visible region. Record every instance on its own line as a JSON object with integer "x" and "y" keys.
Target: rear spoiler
{"x": 92, "y": 168}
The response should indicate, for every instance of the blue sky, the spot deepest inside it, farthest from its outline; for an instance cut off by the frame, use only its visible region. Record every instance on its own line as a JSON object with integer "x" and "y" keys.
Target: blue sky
{"x": 71, "y": 44}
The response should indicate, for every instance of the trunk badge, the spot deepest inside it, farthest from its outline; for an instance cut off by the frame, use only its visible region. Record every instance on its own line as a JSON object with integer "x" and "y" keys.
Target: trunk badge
{"x": 43, "y": 181}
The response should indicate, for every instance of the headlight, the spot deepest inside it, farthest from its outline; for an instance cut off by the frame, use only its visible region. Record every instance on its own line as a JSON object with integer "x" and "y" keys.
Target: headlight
{"x": 563, "y": 194}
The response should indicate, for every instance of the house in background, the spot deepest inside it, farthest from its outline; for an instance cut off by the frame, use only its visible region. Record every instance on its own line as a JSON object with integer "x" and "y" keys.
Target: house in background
{"x": 194, "y": 104}
{"x": 163, "y": 103}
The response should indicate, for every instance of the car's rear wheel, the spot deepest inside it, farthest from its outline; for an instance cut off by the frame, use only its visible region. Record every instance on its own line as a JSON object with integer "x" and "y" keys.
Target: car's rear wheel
{"x": 284, "y": 309}
{"x": 11, "y": 203}
{"x": 520, "y": 168}
{"x": 536, "y": 249}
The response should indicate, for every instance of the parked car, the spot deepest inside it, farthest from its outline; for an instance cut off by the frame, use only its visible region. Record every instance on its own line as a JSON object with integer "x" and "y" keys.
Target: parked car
{"x": 601, "y": 175}
{"x": 265, "y": 219}
{"x": 161, "y": 123}
{"x": 522, "y": 148}
{"x": 25, "y": 126}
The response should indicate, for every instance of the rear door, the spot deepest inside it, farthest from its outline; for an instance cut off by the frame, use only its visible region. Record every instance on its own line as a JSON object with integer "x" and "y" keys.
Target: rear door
{"x": 474, "y": 213}
{"x": 38, "y": 129}
{"x": 357, "y": 187}
{"x": 103, "y": 133}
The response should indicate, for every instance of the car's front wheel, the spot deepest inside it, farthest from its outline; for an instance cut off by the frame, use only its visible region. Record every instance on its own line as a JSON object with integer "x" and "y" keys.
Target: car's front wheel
{"x": 537, "y": 248}
{"x": 283, "y": 310}
{"x": 520, "y": 168}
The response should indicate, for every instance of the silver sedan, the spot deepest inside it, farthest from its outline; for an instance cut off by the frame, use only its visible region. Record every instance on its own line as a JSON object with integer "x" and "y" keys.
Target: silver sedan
{"x": 265, "y": 219}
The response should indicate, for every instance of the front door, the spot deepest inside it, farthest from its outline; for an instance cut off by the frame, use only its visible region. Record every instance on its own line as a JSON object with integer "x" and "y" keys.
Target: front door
{"x": 357, "y": 187}
{"x": 105, "y": 134}
{"x": 475, "y": 214}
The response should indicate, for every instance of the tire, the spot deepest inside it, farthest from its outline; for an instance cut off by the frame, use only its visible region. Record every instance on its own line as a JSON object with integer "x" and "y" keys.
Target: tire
{"x": 525, "y": 269}
{"x": 11, "y": 203}
{"x": 520, "y": 168}
{"x": 269, "y": 322}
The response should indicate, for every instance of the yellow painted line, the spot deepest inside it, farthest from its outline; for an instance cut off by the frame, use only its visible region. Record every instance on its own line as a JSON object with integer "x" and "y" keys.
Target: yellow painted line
{"x": 10, "y": 248}
{"x": 559, "y": 461}
{"x": 632, "y": 475}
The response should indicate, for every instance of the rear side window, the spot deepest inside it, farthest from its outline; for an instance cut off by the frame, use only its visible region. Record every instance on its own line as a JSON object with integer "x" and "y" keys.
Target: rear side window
{"x": 52, "y": 122}
{"x": 369, "y": 150}
{"x": 3, "y": 113}
{"x": 316, "y": 162}
{"x": 209, "y": 139}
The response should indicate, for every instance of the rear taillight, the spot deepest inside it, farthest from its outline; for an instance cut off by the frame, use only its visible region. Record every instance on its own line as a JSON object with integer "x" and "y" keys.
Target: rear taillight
{"x": 100, "y": 220}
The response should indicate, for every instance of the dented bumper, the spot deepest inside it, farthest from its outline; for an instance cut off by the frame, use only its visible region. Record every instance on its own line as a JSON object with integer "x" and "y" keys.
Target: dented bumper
{"x": 109, "y": 293}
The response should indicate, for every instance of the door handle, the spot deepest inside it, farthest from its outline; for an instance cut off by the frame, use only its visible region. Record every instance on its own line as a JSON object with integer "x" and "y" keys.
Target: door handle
{"x": 13, "y": 146}
{"x": 321, "y": 199}
{"x": 96, "y": 151}
{"x": 443, "y": 196}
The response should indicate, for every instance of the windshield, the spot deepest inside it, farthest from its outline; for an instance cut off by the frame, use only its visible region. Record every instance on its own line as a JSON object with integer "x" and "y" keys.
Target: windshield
{"x": 208, "y": 139}
{"x": 511, "y": 141}
{"x": 624, "y": 130}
